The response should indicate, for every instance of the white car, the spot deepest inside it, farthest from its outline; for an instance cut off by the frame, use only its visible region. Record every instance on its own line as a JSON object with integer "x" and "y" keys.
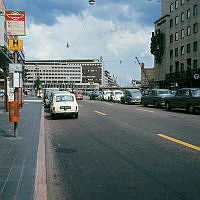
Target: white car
{"x": 63, "y": 103}
{"x": 106, "y": 95}
{"x": 116, "y": 95}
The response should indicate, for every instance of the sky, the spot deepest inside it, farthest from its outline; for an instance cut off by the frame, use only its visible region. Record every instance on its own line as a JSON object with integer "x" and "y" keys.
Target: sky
{"x": 116, "y": 30}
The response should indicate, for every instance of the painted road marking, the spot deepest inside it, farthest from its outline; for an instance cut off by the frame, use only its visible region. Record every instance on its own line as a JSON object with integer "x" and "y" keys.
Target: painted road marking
{"x": 179, "y": 142}
{"x": 108, "y": 104}
{"x": 80, "y": 105}
{"x": 101, "y": 113}
{"x": 151, "y": 111}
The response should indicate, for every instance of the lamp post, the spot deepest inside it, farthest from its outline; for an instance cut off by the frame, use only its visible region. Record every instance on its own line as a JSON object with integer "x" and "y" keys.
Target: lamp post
{"x": 91, "y": 2}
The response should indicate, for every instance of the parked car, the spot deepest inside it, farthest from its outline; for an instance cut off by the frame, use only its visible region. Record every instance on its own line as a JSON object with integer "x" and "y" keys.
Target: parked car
{"x": 94, "y": 95}
{"x": 79, "y": 95}
{"x": 116, "y": 95}
{"x": 131, "y": 96}
{"x": 186, "y": 98}
{"x": 106, "y": 95}
{"x": 156, "y": 97}
{"x": 63, "y": 103}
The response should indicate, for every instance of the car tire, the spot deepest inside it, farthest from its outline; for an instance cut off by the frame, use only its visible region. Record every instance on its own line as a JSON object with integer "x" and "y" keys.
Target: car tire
{"x": 53, "y": 116}
{"x": 191, "y": 109}
{"x": 168, "y": 106}
{"x": 157, "y": 105}
{"x": 143, "y": 103}
{"x": 75, "y": 115}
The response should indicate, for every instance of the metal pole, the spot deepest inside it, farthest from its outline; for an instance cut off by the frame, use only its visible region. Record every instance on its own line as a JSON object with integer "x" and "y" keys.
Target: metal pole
{"x": 15, "y": 99}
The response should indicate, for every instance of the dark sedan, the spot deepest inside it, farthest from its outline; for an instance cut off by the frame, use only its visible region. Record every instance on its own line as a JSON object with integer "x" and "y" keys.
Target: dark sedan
{"x": 185, "y": 98}
{"x": 131, "y": 96}
{"x": 156, "y": 97}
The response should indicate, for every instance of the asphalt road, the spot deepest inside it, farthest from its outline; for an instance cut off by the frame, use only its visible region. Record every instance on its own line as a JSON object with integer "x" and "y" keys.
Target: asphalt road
{"x": 114, "y": 151}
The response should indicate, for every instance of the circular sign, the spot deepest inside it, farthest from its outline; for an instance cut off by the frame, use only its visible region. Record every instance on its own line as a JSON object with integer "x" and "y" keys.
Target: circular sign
{"x": 196, "y": 76}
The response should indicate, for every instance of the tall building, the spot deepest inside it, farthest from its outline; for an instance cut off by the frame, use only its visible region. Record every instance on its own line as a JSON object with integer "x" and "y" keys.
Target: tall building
{"x": 176, "y": 44}
{"x": 80, "y": 74}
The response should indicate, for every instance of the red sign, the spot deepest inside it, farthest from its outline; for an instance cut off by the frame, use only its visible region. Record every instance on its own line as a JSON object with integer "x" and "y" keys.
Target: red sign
{"x": 15, "y": 23}
{"x": 14, "y": 15}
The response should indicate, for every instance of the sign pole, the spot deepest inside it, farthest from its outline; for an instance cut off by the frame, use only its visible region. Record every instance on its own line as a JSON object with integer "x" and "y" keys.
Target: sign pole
{"x": 15, "y": 99}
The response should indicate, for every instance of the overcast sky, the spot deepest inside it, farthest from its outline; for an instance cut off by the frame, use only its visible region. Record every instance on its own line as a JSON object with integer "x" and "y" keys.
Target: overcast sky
{"x": 117, "y": 30}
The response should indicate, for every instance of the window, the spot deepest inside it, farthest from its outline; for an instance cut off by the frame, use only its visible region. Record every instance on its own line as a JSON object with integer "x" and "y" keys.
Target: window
{"x": 176, "y": 52}
{"x": 195, "y": 10}
{"x": 182, "y": 67}
{"x": 182, "y": 50}
{"x": 177, "y": 67}
{"x": 182, "y": 2}
{"x": 176, "y": 20}
{"x": 189, "y": 62}
{"x": 171, "y": 7}
{"x": 195, "y": 64}
{"x": 188, "y": 30}
{"x": 188, "y": 48}
{"x": 195, "y": 28}
{"x": 195, "y": 46}
{"x": 176, "y": 36}
{"x": 171, "y": 38}
{"x": 176, "y": 4}
{"x": 182, "y": 33}
{"x": 182, "y": 16}
{"x": 171, "y": 23}
{"x": 171, "y": 53}
{"x": 188, "y": 13}
{"x": 171, "y": 69}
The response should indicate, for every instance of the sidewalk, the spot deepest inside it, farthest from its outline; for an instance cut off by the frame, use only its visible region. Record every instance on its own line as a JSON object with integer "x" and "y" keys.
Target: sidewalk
{"x": 18, "y": 156}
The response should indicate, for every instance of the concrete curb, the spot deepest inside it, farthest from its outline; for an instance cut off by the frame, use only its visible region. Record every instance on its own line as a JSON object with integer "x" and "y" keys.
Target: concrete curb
{"x": 40, "y": 192}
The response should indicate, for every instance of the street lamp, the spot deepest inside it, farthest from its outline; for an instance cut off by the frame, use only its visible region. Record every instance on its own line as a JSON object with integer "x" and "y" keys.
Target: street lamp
{"x": 91, "y": 2}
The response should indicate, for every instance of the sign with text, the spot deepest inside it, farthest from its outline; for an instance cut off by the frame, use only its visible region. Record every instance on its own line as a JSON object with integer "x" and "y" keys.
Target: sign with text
{"x": 15, "y": 45}
{"x": 15, "y": 67}
{"x": 15, "y": 23}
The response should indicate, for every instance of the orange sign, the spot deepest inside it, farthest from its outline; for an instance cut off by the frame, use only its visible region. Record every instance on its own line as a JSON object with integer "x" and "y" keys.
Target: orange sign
{"x": 15, "y": 45}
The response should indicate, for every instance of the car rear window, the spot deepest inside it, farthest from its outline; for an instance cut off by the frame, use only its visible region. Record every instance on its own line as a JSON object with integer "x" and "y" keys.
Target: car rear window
{"x": 64, "y": 98}
{"x": 164, "y": 92}
{"x": 196, "y": 93}
{"x": 118, "y": 93}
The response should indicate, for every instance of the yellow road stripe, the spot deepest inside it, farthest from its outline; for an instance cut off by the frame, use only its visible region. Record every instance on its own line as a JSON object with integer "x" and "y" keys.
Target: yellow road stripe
{"x": 104, "y": 114}
{"x": 180, "y": 142}
{"x": 108, "y": 104}
{"x": 145, "y": 110}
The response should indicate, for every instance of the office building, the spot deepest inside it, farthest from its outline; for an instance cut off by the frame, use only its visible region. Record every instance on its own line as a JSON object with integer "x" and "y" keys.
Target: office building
{"x": 176, "y": 44}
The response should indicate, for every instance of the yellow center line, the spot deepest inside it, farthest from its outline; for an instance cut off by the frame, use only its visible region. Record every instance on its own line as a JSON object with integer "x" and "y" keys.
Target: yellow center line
{"x": 101, "y": 113}
{"x": 145, "y": 110}
{"x": 179, "y": 142}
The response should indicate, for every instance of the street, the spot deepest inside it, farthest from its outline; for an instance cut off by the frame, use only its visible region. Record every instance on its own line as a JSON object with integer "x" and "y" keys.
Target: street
{"x": 116, "y": 151}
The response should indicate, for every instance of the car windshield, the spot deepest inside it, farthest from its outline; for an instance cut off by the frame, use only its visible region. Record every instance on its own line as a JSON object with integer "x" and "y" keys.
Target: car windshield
{"x": 118, "y": 93}
{"x": 164, "y": 92}
{"x": 64, "y": 98}
{"x": 196, "y": 93}
{"x": 107, "y": 92}
{"x": 136, "y": 93}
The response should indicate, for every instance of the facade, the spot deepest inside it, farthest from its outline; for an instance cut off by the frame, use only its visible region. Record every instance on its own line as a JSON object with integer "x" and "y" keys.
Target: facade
{"x": 147, "y": 77}
{"x": 175, "y": 44}
{"x": 76, "y": 74}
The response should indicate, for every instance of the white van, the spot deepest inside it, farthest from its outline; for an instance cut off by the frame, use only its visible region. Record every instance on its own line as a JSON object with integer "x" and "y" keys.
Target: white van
{"x": 106, "y": 95}
{"x": 63, "y": 103}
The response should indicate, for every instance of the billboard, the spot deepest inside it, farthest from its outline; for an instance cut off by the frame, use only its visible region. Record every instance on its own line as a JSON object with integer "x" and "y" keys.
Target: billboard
{"x": 15, "y": 23}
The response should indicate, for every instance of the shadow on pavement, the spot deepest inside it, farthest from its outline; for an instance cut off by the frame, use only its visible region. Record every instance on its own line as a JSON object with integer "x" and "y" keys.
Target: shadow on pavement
{"x": 4, "y": 134}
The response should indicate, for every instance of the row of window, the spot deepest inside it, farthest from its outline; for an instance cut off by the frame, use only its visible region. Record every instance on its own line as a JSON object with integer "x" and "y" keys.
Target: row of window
{"x": 180, "y": 67}
{"x": 188, "y": 31}
{"x": 189, "y": 49}
{"x": 54, "y": 71}
{"x": 175, "y": 5}
{"x": 57, "y": 78}
{"x": 188, "y": 15}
